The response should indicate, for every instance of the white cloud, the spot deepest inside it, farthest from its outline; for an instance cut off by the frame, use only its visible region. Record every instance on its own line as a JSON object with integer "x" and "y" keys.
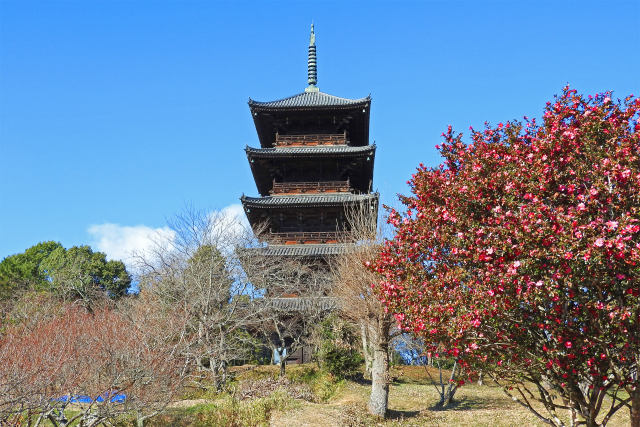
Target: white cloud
{"x": 237, "y": 212}
{"x": 121, "y": 242}
{"x": 230, "y": 222}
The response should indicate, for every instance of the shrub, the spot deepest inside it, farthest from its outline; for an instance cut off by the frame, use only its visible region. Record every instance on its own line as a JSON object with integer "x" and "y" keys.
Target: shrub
{"x": 336, "y": 353}
{"x": 323, "y": 383}
{"x": 339, "y": 361}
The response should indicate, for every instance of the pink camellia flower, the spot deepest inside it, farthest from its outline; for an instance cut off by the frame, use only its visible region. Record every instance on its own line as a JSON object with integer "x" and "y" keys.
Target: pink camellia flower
{"x": 599, "y": 242}
{"x": 612, "y": 225}
{"x": 568, "y": 344}
{"x": 593, "y": 192}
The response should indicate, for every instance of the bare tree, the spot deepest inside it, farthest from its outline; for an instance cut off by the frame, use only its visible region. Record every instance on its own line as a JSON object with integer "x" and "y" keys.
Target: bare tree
{"x": 294, "y": 299}
{"x": 102, "y": 362}
{"x": 231, "y": 292}
{"x": 353, "y": 288}
{"x": 200, "y": 272}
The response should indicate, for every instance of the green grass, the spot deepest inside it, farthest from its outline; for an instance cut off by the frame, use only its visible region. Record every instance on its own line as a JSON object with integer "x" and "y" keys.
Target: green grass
{"x": 412, "y": 402}
{"x": 226, "y": 411}
{"x": 332, "y": 402}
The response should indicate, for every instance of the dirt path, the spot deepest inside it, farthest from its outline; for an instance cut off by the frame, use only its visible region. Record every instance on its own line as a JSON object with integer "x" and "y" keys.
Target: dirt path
{"x": 309, "y": 415}
{"x": 336, "y": 413}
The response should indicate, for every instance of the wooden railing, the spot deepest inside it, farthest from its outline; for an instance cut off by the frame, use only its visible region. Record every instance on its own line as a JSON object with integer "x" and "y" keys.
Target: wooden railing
{"x": 308, "y": 237}
{"x": 310, "y": 187}
{"x": 311, "y": 139}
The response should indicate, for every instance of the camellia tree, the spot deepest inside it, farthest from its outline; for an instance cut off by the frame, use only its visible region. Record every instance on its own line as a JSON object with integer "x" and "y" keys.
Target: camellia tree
{"x": 521, "y": 255}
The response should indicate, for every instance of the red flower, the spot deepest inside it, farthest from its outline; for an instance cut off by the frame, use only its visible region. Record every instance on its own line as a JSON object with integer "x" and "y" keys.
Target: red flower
{"x": 524, "y": 243}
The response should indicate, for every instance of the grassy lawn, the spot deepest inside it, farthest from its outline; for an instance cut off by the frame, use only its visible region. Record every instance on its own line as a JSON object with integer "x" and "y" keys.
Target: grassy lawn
{"x": 309, "y": 397}
{"x": 327, "y": 402}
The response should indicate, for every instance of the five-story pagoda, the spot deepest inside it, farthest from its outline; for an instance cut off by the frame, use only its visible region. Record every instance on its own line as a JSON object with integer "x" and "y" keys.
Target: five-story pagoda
{"x": 314, "y": 162}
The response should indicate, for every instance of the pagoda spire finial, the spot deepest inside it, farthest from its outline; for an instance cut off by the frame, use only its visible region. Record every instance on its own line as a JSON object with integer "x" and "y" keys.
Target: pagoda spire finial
{"x": 312, "y": 65}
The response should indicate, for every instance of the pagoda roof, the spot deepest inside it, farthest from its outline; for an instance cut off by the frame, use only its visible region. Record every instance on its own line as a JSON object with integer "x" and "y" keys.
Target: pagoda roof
{"x": 303, "y": 303}
{"x": 268, "y": 164}
{"x": 308, "y": 250}
{"x": 307, "y": 200}
{"x": 309, "y": 100}
{"x": 311, "y": 151}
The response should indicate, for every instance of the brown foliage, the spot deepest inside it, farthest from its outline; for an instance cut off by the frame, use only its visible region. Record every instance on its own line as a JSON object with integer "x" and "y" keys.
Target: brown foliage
{"x": 76, "y": 353}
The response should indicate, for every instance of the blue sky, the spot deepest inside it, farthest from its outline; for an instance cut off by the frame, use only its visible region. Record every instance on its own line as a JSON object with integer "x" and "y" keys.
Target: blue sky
{"x": 115, "y": 114}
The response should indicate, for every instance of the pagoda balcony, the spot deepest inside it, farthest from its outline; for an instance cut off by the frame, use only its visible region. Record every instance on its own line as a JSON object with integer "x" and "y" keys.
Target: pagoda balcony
{"x": 307, "y": 237}
{"x": 310, "y": 187}
{"x": 311, "y": 139}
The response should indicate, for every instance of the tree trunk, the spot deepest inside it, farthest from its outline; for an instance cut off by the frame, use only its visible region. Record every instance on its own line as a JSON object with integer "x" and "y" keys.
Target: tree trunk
{"x": 366, "y": 350}
{"x": 213, "y": 367}
{"x": 573, "y": 415}
{"x": 447, "y": 390}
{"x": 225, "y": 372}
{"x": 635, "y": 407}
{"x": 283, "y": 364}
{"x": 448, "y": 398}
{"x": 379, "y": 399}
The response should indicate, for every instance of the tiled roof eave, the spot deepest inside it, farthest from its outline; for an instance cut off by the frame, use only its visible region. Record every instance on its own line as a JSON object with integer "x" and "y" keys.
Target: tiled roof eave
{"x": 336, "y": 199}
{"x": 303, "y": 303}
{"x": 316, "y": 151}
{"x": 256, "y": 108}
{"x": 303, "y": 250}
{"x": 309, "y": 101}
